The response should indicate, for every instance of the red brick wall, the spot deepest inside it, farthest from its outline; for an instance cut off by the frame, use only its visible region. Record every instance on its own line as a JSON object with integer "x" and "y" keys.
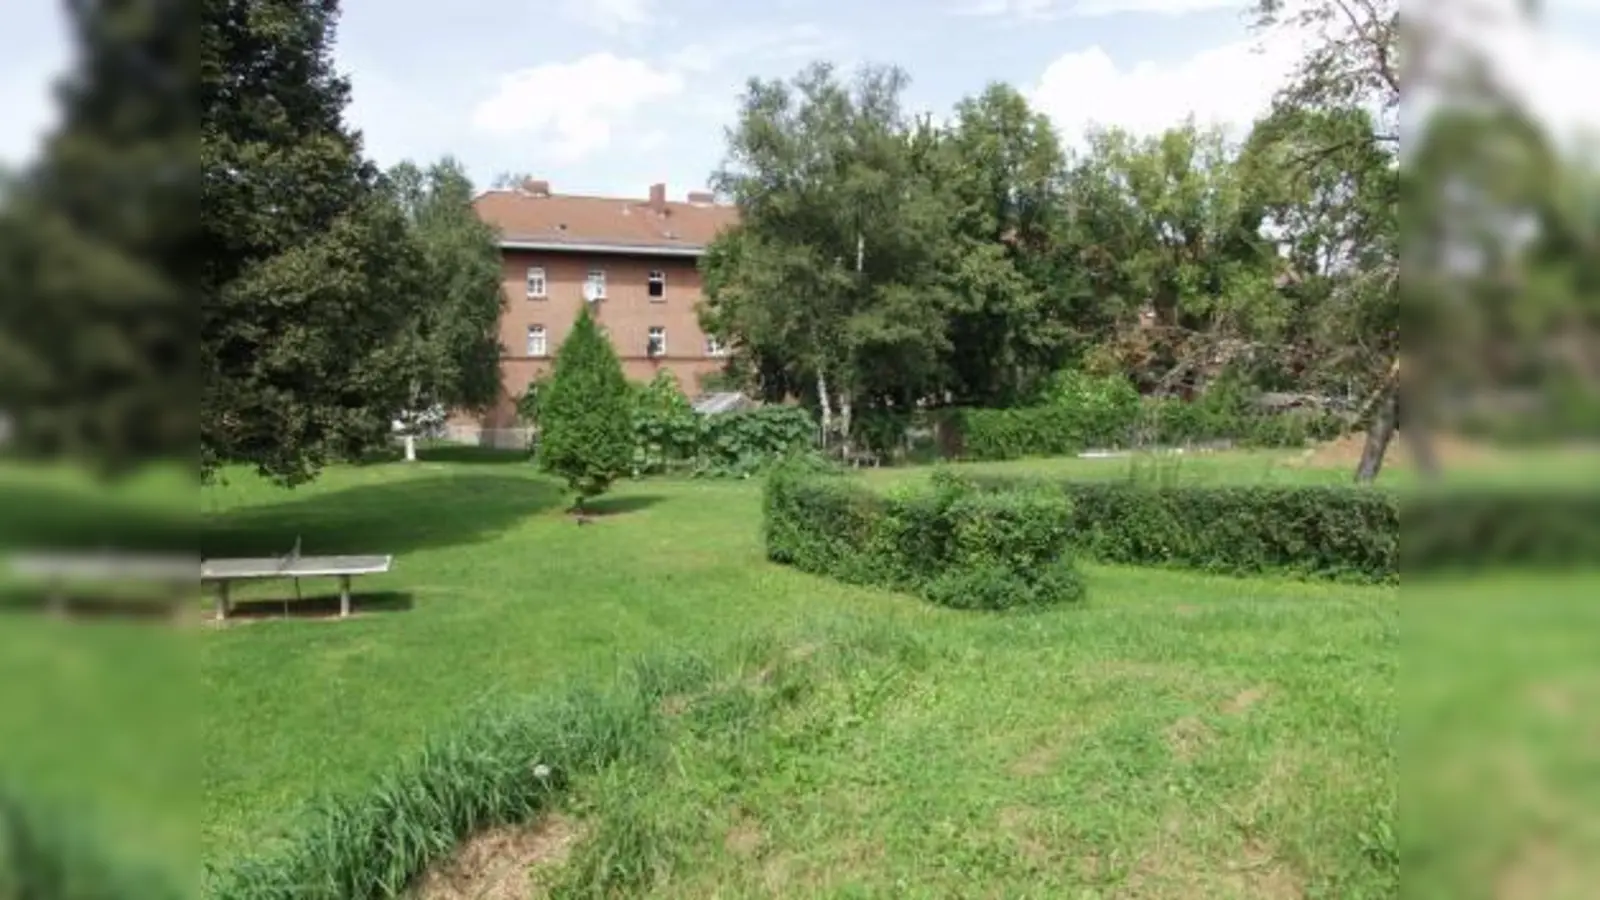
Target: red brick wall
{"x": 627, "y": 314}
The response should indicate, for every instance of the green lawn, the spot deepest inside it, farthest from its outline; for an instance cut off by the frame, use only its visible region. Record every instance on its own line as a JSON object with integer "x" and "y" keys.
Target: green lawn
{"x": 1178, "y": 735}
{"x": 1202, "y": 720}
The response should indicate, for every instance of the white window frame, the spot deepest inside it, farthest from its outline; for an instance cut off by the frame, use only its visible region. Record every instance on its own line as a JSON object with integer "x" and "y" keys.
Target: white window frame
{"x": 715, "y": 348}
{"x": 597, "y": 277}
{"x": 650, "y": 338}
{"x": 544, "y": 341}
{"x": 543, "y": 291}
{"x": 657, "y": 275}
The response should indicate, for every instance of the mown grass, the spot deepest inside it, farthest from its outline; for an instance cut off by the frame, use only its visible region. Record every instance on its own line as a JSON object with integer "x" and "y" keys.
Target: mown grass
{"x": 1179, "y": 735}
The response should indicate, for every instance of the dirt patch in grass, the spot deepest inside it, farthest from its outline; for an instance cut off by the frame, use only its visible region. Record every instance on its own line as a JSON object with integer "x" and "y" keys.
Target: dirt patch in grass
{"x": 1188, "y": 737}
{"x": 1170, "y": 868}
{"x": 1244, "y": 700}
{"x": 1541, "y": 870}
{"x": 1036, "y": 762}
{"x": 744, "y": 838}
{"x": 1018, "y": 823}
{"x": 506, "y": 863}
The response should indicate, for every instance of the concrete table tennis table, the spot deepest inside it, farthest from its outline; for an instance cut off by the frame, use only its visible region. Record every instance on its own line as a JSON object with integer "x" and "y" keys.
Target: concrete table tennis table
{"x": 223, "y": 572}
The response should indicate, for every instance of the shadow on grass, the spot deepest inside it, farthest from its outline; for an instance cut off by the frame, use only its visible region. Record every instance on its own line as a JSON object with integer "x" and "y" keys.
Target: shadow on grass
{"x": 615, "y": 506}
{"x": 318, "y": 606}
{"x": 88, "y": 604}
{"x": 51, "y": 518}
{"x": 450, "y": 453}
{"x": 394, "y": 517}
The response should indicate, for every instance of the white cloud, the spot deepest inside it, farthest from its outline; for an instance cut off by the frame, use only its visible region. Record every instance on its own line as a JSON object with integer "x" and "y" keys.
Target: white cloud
{"x": 747, "y": 42}
{"x": 1021, "y": 9}
{"x": 573, "y": 108}
{"x": 1228, "y": 85}
{"x": 609, "y": 16}
{"x": 1046, "y": 10}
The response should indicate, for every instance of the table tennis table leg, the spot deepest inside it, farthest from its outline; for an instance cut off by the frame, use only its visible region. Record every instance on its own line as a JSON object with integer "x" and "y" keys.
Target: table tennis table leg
{"x": 222, "y": 600}
{"x": 344, "y": 596}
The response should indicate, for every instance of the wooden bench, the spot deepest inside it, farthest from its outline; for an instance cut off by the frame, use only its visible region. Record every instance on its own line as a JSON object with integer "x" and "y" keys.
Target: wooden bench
{"x": 224, "y": 572}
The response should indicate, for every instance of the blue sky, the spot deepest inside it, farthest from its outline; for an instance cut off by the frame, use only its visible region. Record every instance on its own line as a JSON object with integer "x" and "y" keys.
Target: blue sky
{"x": 608, "y": 96}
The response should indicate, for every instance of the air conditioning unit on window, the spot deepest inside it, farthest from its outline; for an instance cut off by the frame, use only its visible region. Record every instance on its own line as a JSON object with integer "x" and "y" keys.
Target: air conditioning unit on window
{"x": 591, "y": 292}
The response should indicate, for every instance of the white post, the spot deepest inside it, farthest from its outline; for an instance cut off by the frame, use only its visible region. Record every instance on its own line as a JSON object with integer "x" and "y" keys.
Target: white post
{"x": 411, "y": 447}
{"x": 222, "y": 600}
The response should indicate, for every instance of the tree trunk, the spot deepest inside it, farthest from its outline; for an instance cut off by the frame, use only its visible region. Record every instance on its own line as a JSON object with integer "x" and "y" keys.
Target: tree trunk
{"x": 1379, "y": 433}
{"x": 1419, "y": 438}
{"x": 827, "y": 407}
{"x": 411, "y": 448}
{"x": 844, "y": 420}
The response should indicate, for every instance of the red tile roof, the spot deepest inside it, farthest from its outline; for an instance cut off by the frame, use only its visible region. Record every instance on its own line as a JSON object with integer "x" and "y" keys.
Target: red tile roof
{"x": 525, "y": 217}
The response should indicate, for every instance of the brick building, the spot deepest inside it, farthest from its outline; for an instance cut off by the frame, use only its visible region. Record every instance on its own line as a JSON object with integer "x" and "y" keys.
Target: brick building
{"x": 635, "y": 261}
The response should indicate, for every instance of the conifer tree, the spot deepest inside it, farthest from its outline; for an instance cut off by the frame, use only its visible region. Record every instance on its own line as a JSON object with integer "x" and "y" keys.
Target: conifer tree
{"x": 585, "y": 414}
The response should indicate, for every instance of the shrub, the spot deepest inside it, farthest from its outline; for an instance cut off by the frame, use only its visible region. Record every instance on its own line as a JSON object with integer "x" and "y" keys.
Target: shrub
{"x": 1486, "y": 528}
{"x": 666, "y": 429}
{"x": 1347, "y": 533}
{"x": 950, "y": 545}
{"x": 585, "y": 417}
{"x": 743, "y": 443}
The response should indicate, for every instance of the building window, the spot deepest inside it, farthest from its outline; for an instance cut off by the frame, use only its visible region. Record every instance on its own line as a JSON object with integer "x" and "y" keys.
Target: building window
{"x": 658, "y": 341}
{"x": 658, "y": 285}
{"x": 536, "y": 284}
{"x": 597, "y": 281}
{"x": 537, "y": 343}
{"x": 715, "y": 347}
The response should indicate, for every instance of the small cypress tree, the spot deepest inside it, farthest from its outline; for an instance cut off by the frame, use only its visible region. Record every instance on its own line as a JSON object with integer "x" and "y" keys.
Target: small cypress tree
{"x": 586, "y": 414}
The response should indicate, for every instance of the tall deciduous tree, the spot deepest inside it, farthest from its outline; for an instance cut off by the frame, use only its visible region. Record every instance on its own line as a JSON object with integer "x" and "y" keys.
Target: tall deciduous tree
{"x": 585, "y": 414}
{"x": 455, "y": 344}
{"x": 836, "y": 261}
{"x": 1353, "y": 65}
{"x": 310, "y": 285}
{"x": 98, "y": 251}
{"x": 1168, "y": 228}
{"x": 1020, "y": 313}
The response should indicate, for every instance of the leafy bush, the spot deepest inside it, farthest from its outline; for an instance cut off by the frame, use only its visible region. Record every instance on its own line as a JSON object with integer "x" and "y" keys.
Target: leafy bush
{"x": 951, "y": 545}
{"x": 584, "y": 413}
{"x": 749, "y": 441}
{"x": 47, "y": 855}
{"x": 666, "y": 429}
{"x": 1347, "y": 533}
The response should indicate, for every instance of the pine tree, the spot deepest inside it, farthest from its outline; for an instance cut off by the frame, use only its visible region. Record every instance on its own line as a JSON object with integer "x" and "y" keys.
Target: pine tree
{"x": 585, "y": 414}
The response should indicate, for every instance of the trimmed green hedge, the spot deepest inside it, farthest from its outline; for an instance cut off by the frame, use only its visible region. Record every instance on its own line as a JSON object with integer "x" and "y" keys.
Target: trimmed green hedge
{"x": 1488, "y": 528}
{"x": 951, "y": 545}
{"x": 1060, "y": 430}
{"x": 1345, "y": 533}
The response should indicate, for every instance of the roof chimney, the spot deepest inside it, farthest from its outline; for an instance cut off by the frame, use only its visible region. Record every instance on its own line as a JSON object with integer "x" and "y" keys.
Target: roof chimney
{"x": 702, "y": 198}
{"x": 658, "y": 197}
{"x": 538, "y": 187}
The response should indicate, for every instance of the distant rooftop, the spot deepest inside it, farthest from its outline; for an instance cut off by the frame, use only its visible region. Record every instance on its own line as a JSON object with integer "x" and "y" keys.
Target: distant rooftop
{"x": 531, "y": 216}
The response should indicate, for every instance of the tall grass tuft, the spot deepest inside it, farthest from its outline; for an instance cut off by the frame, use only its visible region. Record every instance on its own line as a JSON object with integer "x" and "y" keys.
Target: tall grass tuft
{"x": 506, "y": 767}
{"x": 511, "y": 765}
